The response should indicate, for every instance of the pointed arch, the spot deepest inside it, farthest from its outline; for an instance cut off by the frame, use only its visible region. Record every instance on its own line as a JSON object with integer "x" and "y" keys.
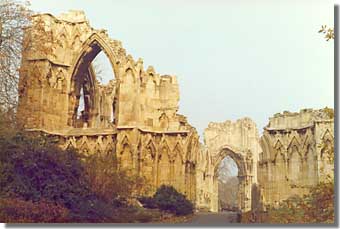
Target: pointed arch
{"x": 151, "y": 145}
{"x": 308, "y": 140}
{"x": 279, "y": 153}
{"x": 179, "y": 149}
{"x": 266, "y": 147}
{"x": 125, "y": 140}
{"x": 125, "y": 154}
{"x": 278, "y": 149}
{"x": 83, "y": 74}
{"x": 278, "y": 144}
{"x": 293, "y": 147}
{"x": 164, "y": 143}
{"x": 294, "y": 142}
{"x": 237, "y": 156}
{"x": 90, "y": 49}
{"x": 163, "y": 164}
{"x": 327, "y": 135}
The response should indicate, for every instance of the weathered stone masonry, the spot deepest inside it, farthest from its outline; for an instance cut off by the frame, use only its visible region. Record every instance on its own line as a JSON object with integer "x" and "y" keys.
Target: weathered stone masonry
{"x": 296, "y": 153}
{"x": 134, "y": 115}
{"x": 134, "y": 118}
{"x": 240, "y": 141}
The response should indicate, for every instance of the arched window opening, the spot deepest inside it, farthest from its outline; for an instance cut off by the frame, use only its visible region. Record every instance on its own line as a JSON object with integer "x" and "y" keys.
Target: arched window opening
{"x": 81, "y": 106}
{"x": 228, "y": 185}
{"x": 93, "y": 103}
{"x": 103, "y": 68}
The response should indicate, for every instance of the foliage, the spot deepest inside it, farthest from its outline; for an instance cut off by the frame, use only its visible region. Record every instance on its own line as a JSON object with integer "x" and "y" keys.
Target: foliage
{"x": 329, "y": 32}
{"x": 33, "y": 168}
{"x": 135, "y": 215}
{"x": 36, "y": 172}
{"x": 316, "y": 207}
{"x": 168, "y": 199}
{"x": 14, "y": 210}
{"x": 148, "y": 202}
{"x": 329, "y": 112}
{"x": 114, "y": 186}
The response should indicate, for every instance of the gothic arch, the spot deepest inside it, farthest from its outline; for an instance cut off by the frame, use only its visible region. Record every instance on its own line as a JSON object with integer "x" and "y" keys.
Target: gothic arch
{"x": 308, "y": 142}
{"x": 327, "y": 136}
{"x": 294, "y": 143}
{"x": 151, "y": 145}
{"x": 125, "y": 140}
{"x": 163, "y": 164}
{"x": 83, "y": 75}
{"x": 244, "y": 174}
{"x": 294, "y": 147}
{"x": 178, "y": 150}
{"x": 266, "y": 147}
{"x": 236, "y": 156}
{"x": 278, "y": 149}
{"x": 90, "y": 48}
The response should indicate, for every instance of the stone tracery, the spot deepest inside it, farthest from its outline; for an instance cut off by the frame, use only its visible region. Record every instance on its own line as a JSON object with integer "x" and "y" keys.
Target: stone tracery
{"x": 135, "y": 117}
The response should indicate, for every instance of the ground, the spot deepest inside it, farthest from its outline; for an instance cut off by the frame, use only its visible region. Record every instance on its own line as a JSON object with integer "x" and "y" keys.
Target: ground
{"x": 213, "y": 219}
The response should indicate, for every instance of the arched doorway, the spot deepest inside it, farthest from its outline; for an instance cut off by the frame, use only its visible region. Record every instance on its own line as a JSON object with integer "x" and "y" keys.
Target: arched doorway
{"x": 245, "y": 166}
{"x": 92, "y": 99}
{"x": 228, "y": 185}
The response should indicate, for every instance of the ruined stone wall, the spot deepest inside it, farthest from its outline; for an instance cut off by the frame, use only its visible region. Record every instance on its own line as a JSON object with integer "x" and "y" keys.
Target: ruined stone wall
{"x": 137, "y": 108}
{"x": 240, "y": 141}
{"x": 53, "y": 72}
{"x": 296, "y": 153}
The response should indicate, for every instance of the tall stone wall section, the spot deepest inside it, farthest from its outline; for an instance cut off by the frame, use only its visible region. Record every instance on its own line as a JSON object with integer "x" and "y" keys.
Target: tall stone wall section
{"x": 297, "y": 152}
{"x": 134, "y": 115}
{"x": 240, "y": 141}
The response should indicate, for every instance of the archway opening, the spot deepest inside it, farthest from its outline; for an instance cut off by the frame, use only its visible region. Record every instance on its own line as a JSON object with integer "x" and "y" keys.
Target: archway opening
{"x": 93, "y": 90}
{"x": 228, "y": 185}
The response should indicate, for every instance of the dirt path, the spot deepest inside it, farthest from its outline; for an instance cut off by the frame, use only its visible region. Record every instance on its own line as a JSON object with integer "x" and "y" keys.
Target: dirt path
{"x": 214, "y": 219}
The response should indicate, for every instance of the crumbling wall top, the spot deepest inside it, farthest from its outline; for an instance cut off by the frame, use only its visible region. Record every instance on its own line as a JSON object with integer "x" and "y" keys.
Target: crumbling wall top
{"x": 298, "y": 120}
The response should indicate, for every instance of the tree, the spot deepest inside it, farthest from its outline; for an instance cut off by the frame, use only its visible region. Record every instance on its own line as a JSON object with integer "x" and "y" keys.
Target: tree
{"x": 14, "y": 18}
{"x": 329, "y": 32}
{"x": 114, "y": 186}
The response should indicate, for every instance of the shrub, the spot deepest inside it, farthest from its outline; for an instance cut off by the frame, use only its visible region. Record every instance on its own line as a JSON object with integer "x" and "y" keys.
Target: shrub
{"x": 110, "y": 184}
{"x": 20, "y": 211}
{"x": 35, "y": 175}
{"x": 167, "y": 198}
{"x": 148, "y": 202}
{"x": 33, "y": 168}
{"x": 36, "y": 171}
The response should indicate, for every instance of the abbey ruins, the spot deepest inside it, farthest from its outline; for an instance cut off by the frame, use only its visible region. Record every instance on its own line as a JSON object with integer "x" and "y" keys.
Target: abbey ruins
{"x": 134, "y": 119}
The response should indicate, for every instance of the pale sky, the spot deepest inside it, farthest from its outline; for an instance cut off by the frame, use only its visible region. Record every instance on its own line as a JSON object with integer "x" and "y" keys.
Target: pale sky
{"x": 232, "y": 58}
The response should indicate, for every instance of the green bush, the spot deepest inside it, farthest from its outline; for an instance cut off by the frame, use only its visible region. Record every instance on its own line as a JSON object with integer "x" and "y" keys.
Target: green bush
{"x": 33, "y": 168}
{"x": 167, "y": 198}
{"x": 15, "y": 210}
{"x": 148, "y": 202}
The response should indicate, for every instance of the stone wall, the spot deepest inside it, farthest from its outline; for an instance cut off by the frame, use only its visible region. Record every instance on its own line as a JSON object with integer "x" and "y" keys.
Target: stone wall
{"x": 136, "y": 111}
{"x": 135, "y": 117}
{"x": 240, "y": 141}
{"x": 296, "y": 151}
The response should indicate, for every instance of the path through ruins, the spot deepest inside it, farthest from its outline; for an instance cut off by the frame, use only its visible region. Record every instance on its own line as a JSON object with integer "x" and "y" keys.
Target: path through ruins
{"x": 214, "y": 219}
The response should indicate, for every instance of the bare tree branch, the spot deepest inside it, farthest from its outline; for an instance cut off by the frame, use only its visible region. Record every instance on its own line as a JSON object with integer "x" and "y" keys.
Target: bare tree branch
{"x": 14, "y": 18}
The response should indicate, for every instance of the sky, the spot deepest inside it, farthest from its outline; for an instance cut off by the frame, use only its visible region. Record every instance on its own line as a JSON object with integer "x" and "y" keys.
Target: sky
{"x": 233, "y": 59}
